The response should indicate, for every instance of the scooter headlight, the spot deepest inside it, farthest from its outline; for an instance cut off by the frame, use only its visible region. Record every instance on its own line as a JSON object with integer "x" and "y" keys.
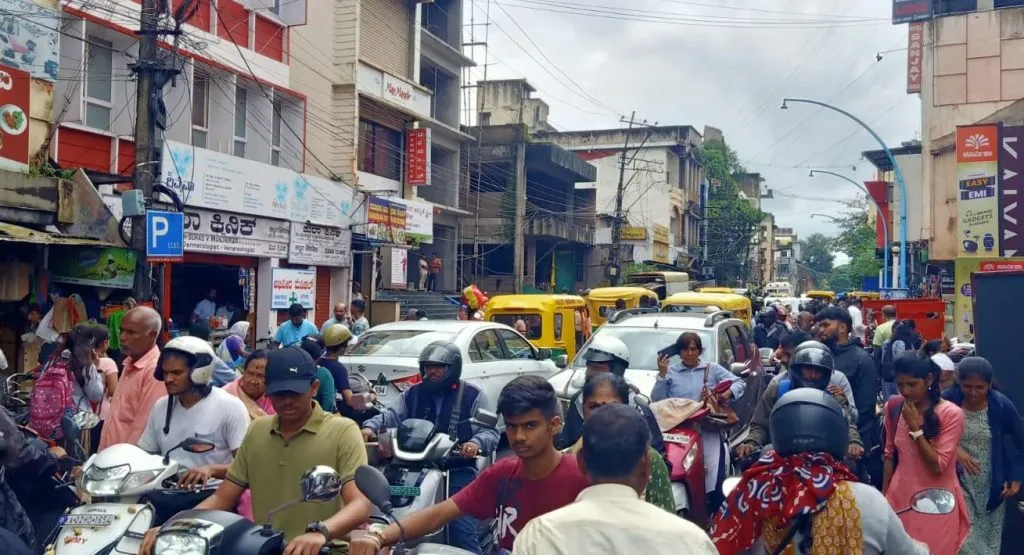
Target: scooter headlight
{"x": 180, "y": 543}
{"x": 105, "y": 482}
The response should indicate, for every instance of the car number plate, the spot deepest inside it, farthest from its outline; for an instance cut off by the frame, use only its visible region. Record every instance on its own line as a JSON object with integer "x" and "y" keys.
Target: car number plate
{"x": 405, "y": 491}
{"x": 381, "y": 390}
{"x": 88, "y": 520}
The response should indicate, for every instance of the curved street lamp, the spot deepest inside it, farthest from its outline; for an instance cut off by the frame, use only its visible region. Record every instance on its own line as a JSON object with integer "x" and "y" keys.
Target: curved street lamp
{"x": 881, "y": 216}
{"x": 899, "y": 180}
{"x": 833, "y": 218}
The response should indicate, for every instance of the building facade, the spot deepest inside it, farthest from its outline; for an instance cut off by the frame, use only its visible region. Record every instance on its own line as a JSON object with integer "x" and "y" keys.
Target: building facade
{"x": 788, "y": 257}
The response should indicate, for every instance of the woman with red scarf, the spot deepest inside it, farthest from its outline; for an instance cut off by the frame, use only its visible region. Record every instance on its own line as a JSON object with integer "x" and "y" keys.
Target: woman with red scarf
{"x": 801, "y": 499}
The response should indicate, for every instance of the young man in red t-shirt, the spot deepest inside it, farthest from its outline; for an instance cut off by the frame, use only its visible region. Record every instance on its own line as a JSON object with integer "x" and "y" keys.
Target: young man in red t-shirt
{"x": 514, "y": 490}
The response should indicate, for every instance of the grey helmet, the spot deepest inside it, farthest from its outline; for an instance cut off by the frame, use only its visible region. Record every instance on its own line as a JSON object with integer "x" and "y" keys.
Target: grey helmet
{"x": 807, "y": 420}
{"x": 812, "y": 354}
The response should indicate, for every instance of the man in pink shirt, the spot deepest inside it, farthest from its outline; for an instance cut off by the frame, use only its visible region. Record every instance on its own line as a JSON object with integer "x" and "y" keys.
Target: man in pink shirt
{"x": 137, "y": 389}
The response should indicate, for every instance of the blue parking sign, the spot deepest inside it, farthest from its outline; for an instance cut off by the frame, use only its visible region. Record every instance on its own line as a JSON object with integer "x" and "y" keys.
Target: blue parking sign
{"x": 165, "y": 236}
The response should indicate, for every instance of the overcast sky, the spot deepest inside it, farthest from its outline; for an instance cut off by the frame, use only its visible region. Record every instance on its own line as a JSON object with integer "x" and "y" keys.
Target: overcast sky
{"x": 723, "y": 63}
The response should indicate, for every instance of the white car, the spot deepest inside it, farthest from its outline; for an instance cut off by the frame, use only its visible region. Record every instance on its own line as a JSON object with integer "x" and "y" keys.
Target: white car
{"x": 493, "y": 354}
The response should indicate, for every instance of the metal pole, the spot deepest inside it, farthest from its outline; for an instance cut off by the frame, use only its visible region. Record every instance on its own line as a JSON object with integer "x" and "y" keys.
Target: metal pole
{"x": 899, "y": 180}
{"x": 881, "y": 216}
{"x": 617, "y": 224}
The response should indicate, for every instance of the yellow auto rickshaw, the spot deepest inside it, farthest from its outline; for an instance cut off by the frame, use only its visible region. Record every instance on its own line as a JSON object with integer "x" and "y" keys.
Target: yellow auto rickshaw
{"x": 602, "y": 301}
{"x": 717, "y": 290}
{"x": 864, "y": 295}
{"x": 698, "y": 303}
{"x": 548, "y": 321}
{"x": 823, "y": 295}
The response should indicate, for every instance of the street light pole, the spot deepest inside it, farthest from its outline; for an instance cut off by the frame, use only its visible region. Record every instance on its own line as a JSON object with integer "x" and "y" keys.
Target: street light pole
{"x": 881, "y": 216}
{"x": 833, "y": 218}
{"x": 899, "y": 180}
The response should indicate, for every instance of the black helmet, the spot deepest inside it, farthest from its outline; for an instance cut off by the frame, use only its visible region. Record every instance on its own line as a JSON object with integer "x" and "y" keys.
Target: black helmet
{"x": 768, "y": 316}
{"x": 806, "y": 420}
{"x": 816, "y": 355}
{"x": 314, "y": 345}
{"x": 442, "y": 353}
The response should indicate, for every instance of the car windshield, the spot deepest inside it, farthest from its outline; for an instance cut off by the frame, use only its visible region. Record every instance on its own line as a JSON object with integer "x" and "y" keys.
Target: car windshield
{"x": 644, "y": 344}
{"x": 397, "y": 343}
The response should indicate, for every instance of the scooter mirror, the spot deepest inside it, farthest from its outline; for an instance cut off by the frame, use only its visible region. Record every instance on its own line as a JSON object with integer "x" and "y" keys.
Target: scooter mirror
{"x": 642, "y": 399}
{"x": 372, "y": 483}
{"x": 738, "y": 368}
{"x": 484, "y": 418}
{"x": 320, "y": 484}
{"x": 933, "y": 501}
{"x": 730, "y": 484}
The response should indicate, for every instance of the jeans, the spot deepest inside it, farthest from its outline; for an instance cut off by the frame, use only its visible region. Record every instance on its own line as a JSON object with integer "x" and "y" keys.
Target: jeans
{"x": 462, "y": 532}
{"x": 433, "y": 282}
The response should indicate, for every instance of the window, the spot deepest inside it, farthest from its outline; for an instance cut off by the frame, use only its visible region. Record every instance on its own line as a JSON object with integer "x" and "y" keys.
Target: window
{"x": 739, "y": 344}
{"x": 99, "y": 68}
{"x": 558, "y": 326}
{"x": 526, "y": 324}
{"x": 485, "y": 347}
{"x": 380, "y": 150}
{"x": 240, "y": 117}
{"x": 200, "y": 109}
{"x": 275, "y": 135}
{"x": 516, "y": 346}
{"x": 725, "y": 355}
{"x": 397, "y": 343}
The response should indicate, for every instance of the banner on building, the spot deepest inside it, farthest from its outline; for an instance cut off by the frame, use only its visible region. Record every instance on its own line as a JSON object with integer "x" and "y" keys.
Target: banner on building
{"x": 977, "y": 170}
{"x": 96, "y": 266}
{"x": 419, "y": 220}
{"x": 417, "y": 156}
{"x": 661, "y": 244}
{"x": 915, "y": 55}
{"x": 15, "y": 94}
{"x": 385, "y": 220}
{"x": 909, "y": 11}
{"x": 633, "y": 234}
{"x": 1011, "y": 192}
{"x": 399, "y": 268}
{"x": 317, "y": 245}
{"x": 235, "y": 234}
{"x": 30, "y": 35}
{"x": 292, "y": 286}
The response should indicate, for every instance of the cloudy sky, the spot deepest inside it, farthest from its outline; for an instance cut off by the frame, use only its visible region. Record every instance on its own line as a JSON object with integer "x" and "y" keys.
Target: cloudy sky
{"x": 724, "y": 63}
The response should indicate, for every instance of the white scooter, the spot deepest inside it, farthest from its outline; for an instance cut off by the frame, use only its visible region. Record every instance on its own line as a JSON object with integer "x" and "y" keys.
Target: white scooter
{"x": 115, "y": 480}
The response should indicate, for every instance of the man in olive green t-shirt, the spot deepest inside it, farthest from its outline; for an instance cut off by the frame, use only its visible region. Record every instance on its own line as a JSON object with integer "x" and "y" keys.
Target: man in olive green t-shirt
{"x": 278, "y": 450}
{"x": 884, "y": 330}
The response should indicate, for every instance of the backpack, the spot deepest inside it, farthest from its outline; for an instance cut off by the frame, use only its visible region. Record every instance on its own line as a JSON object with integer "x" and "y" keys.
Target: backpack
{"x": 51, "y": 397}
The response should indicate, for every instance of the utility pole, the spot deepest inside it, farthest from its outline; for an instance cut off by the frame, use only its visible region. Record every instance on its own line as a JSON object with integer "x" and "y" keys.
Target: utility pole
{"x": 615, "y": 269}
{"x": 519, "y": 249}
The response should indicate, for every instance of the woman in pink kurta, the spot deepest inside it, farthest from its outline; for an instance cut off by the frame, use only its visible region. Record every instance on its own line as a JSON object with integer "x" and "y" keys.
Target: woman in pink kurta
{"x": 251, "y": 389}
{"x": 920, "y": 453}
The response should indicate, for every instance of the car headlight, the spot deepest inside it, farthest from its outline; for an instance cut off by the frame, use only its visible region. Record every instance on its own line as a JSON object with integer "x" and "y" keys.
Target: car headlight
{"x": 179, "y": 543}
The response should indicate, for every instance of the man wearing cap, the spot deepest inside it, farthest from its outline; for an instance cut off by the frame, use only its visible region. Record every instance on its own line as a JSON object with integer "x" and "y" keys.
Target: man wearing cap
{"x": 297, "y": 327}
{"x": 278, "y": 449}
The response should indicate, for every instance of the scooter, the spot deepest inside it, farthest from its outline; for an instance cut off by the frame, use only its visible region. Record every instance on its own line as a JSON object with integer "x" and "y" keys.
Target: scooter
{"x": 417, "y": 475}
{"x": 684, "y": 449}
{"x": 115, "y": 480}
{"x": 208, "y": 532}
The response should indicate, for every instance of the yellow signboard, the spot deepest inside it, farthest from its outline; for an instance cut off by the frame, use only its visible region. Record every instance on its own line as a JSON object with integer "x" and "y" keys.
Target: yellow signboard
{"x": 634, "y": 233}
{"x": 660, "y": 252}
{"x": 660, "y": 234}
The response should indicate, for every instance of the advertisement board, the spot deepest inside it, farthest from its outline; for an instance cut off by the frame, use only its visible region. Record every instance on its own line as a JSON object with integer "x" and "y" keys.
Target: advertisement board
{"x": 15, "y": 94}
{"x": 292, "y": 286}
{"x": 385, "y": 220}
{"x": 633, "y": 234}
{"x": 97, "y": 266}
{"x": 1011, "y": 191}
{"x": 977, "y": 174}
{"x": 235, "y": 234}
{"x": 30, "y": 35}
{"x": 908, "y": 11}
{"x": 915, "y": 56}
{"x": 417, "y": 156}
{"x": 419, "y": 220}
{"x": 320, "y": 246}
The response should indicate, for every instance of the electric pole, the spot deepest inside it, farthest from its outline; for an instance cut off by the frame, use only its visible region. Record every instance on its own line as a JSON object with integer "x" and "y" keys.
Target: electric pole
{"x": 615, "y": 268}
{"x": 519, "y": 248}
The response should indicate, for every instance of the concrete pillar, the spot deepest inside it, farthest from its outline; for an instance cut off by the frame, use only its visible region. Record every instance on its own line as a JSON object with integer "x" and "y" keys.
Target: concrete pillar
{"x": 266, "y": 318}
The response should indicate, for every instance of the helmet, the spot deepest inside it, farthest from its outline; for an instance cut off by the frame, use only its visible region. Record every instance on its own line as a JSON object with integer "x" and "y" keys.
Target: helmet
{"x": 442, "y": 353}
{"x": 815, "y": 355}
{"x": 199, "y": 354}
{"x": 806, "y": 420}
{"x": 768, "y": 316}
{"x": 314, "y": 345}
{"x": 605, "y": 348}
{"x": 336, "y": 334}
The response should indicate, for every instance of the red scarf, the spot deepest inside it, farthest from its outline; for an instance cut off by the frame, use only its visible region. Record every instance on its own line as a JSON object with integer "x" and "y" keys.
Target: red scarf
{"x": 778, "y": 488}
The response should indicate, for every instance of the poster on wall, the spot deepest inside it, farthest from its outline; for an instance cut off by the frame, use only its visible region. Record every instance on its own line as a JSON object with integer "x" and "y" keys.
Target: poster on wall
{"x": 419, "y": 221}
{"x": 235, "y": 234}
{"x": 1011, "y": 191}
{"x": 977, "y": 175}
{"x": 99, "y": 267}
{"x": 963, "y": 310}
{"x": 417, "y": 156}
{"x": 316, "y": 245}
{"x": 399, "y": 266}
{"x": 385, "y": 220}
{"x": 292, "y": 286}
{"x": 30, "y": 38}
{"x": 15, "y": 95}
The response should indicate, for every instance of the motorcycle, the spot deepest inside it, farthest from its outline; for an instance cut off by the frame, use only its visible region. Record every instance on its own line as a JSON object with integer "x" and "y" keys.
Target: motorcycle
{"x": 685, "y": 451}
{"x": 115, "y": 480}
{"x": 208, "y": 532}
{"x": 417, "y": 475}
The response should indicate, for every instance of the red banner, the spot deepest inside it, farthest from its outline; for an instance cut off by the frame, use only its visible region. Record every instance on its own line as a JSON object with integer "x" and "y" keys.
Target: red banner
{"x": 977, "y": 143}
{"x": 15, "y": 92}
{"x": 880, "y": 193}
{"x": 915, "y": 53}
{"x": 417, "y": 156}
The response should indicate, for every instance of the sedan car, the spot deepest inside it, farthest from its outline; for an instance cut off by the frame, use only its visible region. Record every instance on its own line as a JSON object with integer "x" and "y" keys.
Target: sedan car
{"x": 493, "y": 354}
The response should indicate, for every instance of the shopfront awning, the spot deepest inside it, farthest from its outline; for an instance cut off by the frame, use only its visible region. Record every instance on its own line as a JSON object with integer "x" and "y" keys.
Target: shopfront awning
{"x": 18, "y": 234}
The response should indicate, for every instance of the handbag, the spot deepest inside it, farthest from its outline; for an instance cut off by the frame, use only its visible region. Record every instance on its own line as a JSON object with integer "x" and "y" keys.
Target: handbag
{"x": 720, "y": 416}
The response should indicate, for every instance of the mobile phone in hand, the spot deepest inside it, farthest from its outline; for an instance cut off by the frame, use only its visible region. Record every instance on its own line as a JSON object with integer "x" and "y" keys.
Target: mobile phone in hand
{"x": 669, "y": 351}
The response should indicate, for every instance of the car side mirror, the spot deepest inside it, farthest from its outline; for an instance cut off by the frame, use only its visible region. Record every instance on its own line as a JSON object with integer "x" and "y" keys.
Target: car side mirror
{"x": 543, "y": 354}
{"x": 562, "y": 361}
{"x": 484, "y": 418}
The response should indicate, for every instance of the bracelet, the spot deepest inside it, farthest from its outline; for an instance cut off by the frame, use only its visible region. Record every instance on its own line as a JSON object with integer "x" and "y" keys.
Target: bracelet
{"x": 378, "y": 536}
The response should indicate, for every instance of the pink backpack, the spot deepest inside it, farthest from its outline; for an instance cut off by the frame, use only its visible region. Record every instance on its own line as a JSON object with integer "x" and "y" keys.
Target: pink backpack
{"x": 51, "y": 396}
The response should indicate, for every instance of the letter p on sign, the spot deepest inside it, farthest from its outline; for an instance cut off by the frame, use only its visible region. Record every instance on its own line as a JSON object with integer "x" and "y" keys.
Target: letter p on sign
{"x": 165, "y": 236}
{"x": 158, "y": 231}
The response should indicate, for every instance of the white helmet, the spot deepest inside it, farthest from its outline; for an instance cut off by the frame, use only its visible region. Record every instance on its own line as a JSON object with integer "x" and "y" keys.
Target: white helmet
{"x": 605, "y": 348}
{"x": 200, "y": 357}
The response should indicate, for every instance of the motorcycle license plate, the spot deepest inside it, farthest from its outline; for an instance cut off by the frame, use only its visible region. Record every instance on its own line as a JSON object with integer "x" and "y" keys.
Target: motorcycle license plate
{"x": 86, "y": 521}
{"x": 405, "y": 491}
{"x": 381, "y": 390}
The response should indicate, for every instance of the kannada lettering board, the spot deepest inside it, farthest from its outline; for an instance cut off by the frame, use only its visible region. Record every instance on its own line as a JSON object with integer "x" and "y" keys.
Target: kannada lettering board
{"x": 385, "y": 220}
{"x": 235, "y": 234}
{"x": 320, "y": 246}
{"x": 292, "y": 286}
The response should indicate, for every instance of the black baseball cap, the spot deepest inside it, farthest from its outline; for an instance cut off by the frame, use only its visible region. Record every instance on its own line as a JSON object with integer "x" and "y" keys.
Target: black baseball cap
{"x": 289, "y": 370}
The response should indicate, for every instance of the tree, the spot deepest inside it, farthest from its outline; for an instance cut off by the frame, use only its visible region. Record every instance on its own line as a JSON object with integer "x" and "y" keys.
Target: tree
{"x": 818, "y": 257}
{"x": 856, "y": 240}
{"x": 732, "y": 220}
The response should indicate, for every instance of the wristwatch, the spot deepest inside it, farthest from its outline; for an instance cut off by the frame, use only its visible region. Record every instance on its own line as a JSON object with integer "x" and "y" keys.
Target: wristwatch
{"x": 319, "y": 526}
{"x": 917, "y": 434}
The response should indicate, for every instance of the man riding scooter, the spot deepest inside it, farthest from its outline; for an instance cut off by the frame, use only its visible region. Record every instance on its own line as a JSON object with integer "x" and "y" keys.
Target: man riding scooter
{"x": 447, "y": 401}
{"x": 606, "y": 354}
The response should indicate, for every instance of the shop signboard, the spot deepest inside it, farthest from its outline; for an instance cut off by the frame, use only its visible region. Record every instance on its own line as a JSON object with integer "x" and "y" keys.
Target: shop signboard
{"x": 417, "y": 156}
{"x": 15, "y": 93}
{"x": 292, "y": 286}
{"x": 909, "y": 11}
{"x": 977, "y": 169}
{"x": 399, "y": 267}
{"x": 633, "y": 234}
{"x": 385, "y": 220}
{"x": 30, "y": 35}
{"x": 1011, "y": 191}
{"x": 317, "y": 245}
{"x": 915, "y": 55}
{"x": 218, "y": 181}
{"x": 235, "y": 234}
{"x": 419, "y": 220}
{"x": 96, "y": 266}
